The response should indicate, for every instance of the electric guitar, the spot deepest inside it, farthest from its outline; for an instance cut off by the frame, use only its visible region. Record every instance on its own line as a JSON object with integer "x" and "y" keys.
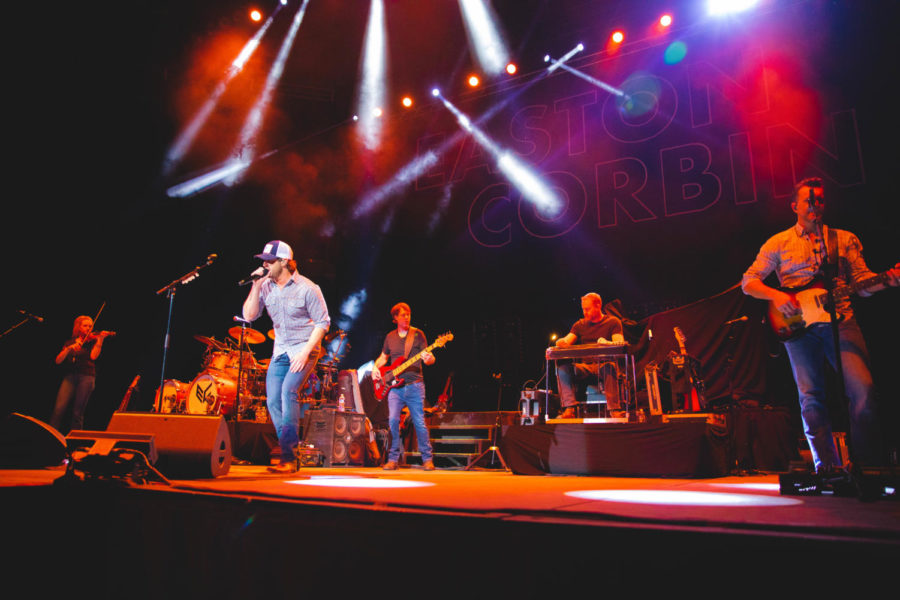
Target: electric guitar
{"x": 692, "y": 399}
{"x": 389, "y": 373}
{"x": 813, "y": 301}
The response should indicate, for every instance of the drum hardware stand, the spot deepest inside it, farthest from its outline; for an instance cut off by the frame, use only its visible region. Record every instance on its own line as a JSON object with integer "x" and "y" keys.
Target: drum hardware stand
{"x": 494, "y": 450}
{"x": 170, "y": 292}
{"x": 237, "y": 402}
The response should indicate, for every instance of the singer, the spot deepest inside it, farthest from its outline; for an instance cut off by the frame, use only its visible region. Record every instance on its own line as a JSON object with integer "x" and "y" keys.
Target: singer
{"x": 797, "y": 258}
{"x": 300, "y": 319}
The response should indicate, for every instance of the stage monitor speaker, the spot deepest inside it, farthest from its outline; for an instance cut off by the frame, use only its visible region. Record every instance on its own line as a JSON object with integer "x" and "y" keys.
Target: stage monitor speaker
{"x": 341, "y": 436}
{"x": 189, "y": 446}
{"x": 26, "y": 443}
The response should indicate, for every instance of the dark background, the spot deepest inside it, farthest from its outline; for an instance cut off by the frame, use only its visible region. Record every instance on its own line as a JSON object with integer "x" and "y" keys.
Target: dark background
{"x": 99, "y": 91}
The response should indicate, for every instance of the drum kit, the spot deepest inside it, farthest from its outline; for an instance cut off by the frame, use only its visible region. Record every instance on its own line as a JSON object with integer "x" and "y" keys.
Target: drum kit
{"x": 214, "y": 391}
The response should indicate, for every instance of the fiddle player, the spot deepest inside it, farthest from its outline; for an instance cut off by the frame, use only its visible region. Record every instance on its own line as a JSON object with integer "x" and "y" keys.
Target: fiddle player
{"x": 77, "y": 357}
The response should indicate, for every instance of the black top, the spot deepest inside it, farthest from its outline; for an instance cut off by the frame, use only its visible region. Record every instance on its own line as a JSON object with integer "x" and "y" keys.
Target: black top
{"x": 80, "y": 362}
{"x": 588, "y": 332}
{"x": 394, "y": 347}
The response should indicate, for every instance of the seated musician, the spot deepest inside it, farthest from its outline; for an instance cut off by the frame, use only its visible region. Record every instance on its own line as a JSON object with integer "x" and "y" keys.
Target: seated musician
{"x": 594, "y": 328}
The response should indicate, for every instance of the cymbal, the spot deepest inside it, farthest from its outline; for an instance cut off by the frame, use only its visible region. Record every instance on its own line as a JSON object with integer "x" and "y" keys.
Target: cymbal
{"x": 264, "y": 363}
{"x": 209, "y": 341}
{"x": 251, "y": 336}
{"x": 271, "y": 334}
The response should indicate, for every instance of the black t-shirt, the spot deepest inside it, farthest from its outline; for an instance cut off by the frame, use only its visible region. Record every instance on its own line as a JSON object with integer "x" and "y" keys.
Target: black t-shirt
{"x": 80, "y": 362}
{"x": 588, "y": 332}
{"x": 394, "y": 347}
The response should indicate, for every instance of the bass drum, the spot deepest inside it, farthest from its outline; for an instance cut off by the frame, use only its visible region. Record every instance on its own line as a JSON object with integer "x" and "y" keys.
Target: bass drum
{"x": 174, "y": 395}
{"x": 211, "y": 393}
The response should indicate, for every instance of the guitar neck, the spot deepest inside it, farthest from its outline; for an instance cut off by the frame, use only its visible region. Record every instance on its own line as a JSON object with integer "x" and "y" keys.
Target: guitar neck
{"x": 868, "y": 282}
{"x": 409, "y": 362}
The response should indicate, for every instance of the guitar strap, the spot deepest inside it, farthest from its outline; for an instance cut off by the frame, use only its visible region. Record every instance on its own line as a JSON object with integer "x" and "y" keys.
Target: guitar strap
{"x": 410, "y": 338}
{"x": 830, "y": 269}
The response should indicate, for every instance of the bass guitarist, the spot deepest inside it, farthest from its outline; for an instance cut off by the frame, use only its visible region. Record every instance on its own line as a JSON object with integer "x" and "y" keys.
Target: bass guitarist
{"x": 798, "y": 257}
{"x": 403, "y": 342}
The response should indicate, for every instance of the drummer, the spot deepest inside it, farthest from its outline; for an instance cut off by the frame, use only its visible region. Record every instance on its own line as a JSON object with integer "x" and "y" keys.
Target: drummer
{"x": 300, "y": 319}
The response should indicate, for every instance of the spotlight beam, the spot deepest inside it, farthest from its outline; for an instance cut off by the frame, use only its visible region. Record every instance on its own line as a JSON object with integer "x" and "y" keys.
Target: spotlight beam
{"x": 244, "y": 150}
{"x": 420, "y": 165}
{"x": 187, "y": 136}
{"x": 485, "y": 38}
{"x": 374, "y": 68}
{"x": 600, "y": 84}
{"x": 519, "y": 174}
{"x": 202, "y": 182}
{"x": 565, "y": 58}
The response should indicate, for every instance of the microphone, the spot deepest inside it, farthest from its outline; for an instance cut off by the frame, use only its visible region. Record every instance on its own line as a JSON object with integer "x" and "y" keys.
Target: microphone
{"x": 738, "y": 320}
{"x": 257, "y": 274}
{"x": 31, "y": 316}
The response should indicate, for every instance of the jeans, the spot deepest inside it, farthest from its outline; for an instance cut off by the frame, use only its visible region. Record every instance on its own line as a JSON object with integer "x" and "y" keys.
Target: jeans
{"x": 808, "y": 354}
{"x": 79, "y": 388}
{"x": 412, "y": 396}
{"x": 283, "y": 400}
{"x": 568, "y": 374}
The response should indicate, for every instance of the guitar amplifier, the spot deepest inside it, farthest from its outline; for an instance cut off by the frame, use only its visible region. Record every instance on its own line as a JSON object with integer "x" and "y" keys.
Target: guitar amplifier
{"x": 340, "y": 436}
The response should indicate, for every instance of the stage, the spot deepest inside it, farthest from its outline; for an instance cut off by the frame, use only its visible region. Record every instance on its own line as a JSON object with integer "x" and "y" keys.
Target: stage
{"x": 341, "y": 530}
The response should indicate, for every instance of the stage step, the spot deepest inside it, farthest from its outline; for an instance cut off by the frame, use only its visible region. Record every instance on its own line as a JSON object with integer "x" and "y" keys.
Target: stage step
{"x": 455, "y": 446}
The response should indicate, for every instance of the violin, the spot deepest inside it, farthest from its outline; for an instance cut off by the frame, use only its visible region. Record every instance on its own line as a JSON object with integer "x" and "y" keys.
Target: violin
{"x": 95, "y": 335}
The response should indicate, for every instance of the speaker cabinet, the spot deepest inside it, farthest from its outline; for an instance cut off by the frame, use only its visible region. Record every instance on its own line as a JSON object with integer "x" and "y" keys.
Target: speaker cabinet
{"x": 189, "y": 446}
{"x": 341, "y": 436}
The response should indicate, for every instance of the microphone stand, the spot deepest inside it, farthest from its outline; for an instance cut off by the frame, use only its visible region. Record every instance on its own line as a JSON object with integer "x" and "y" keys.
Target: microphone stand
{"x": 494, "y": 450}
{"x": 829, "y": 270}
{"x": 16, "y": 326}
{"x": 237, "y": 402}
{"x": 169, "y": 290}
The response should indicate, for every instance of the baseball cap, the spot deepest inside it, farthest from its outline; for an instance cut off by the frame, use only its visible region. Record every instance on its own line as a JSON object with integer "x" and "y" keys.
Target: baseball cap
{"x": 274, "y": 250}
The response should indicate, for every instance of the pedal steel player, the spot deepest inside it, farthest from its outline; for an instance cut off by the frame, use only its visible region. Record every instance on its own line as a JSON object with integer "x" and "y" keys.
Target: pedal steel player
{"x": 412, "y": 393}
{"x": 300, "y": 319}
{"x": 796, "y": 256}
{"x": 595, "y": 327}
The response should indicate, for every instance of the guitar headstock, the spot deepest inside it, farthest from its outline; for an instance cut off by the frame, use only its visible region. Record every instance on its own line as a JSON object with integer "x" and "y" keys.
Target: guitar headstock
{"x": 443, "y": 339}
{"x": 679, "y": 335}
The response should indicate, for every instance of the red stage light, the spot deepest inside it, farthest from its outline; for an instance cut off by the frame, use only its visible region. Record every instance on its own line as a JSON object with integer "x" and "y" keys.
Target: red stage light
{"x": 255, "y": 15}
{"x": 618, "y": 36}
{"x": 474, "y": 81}
{"x": 511, "y": 68}
{"x": 407, "y": 101}
{"x": 665, "y": 20}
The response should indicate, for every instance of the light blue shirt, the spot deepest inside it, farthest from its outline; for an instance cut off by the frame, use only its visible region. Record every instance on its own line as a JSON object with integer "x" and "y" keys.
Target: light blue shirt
{"x": 295, "y": 309}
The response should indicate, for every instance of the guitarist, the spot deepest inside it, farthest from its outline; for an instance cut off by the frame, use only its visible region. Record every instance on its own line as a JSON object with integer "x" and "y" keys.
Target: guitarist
{"x": 797, "y": 257}
{"x": 405, "y": 341}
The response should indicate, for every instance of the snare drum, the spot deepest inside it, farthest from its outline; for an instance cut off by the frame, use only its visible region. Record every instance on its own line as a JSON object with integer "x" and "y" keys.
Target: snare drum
{"x": 174, "y": 394}
{"x": 211, "y": 393}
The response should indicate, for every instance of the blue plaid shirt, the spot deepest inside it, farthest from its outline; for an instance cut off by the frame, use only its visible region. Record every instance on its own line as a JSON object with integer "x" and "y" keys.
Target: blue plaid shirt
{"x": 295, "y": 309}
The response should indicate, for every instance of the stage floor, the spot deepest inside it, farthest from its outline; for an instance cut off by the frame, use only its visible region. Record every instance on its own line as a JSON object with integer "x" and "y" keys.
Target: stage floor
{"x": 738, "y": 504}
{"x": 346, "y": 532}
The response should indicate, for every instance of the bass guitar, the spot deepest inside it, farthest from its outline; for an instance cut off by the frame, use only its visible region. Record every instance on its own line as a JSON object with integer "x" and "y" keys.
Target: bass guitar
{"x": 390, "y": 372}
{"x": 812, "y": 299}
